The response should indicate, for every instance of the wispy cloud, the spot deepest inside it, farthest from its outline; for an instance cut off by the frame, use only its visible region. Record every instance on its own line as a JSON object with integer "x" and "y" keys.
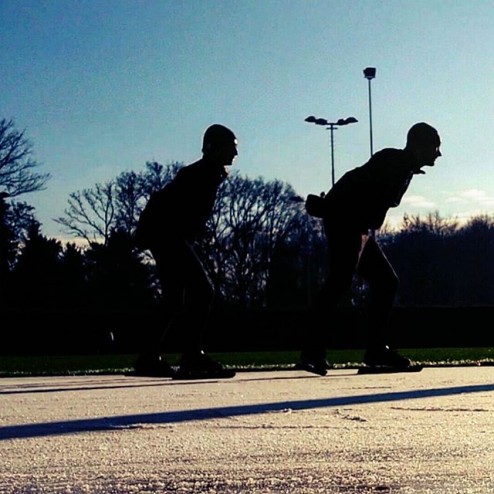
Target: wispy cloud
{"x": 474, "y": 197}
{"x": 416, "y": 201}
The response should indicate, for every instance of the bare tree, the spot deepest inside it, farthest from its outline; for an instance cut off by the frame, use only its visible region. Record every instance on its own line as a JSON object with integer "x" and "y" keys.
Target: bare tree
{"x": 17, "y": 175}
{"x": 93, "y": 214}
{"x": 128, "y": 192}
{"x": 252, "y": 218}
{"x": 157, "y": 176}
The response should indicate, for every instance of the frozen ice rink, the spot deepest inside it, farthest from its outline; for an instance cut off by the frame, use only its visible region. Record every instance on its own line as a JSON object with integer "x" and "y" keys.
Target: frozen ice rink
{"x": 260, "y": 432}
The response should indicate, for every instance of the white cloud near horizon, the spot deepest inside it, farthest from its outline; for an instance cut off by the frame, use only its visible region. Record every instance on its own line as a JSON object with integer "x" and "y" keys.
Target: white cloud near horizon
{"x": 417, "y": 201}
{"x": 472, "y": 196}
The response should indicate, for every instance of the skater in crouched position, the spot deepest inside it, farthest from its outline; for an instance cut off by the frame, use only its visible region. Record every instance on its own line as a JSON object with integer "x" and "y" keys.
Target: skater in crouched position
{"x": 356, "y": 205}
{"x": 172, "y": 220}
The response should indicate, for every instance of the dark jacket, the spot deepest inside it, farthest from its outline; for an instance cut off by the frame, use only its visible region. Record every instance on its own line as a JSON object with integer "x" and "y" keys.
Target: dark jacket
{"x": 361, "y": 198}
{"x": 182, "y": 207}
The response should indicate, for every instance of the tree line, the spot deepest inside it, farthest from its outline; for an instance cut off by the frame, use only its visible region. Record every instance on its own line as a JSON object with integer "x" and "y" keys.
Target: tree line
{"x": 261, "y": 248}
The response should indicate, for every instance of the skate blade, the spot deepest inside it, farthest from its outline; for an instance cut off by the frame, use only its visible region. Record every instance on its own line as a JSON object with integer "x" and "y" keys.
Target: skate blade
{"x": 384, "y": 369}
{"x": 310, "y": 368}
{"x": 188, "y": 376}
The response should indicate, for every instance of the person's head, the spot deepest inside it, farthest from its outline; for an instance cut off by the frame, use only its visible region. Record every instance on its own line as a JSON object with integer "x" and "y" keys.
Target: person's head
{"x": 219, "y": 144}
{"x": 424, "y": 142}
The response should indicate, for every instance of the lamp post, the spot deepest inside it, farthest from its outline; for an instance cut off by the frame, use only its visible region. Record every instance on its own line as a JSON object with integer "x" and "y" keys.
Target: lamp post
{"x": 331, "y": 126}
{"x": 369, "y": 74}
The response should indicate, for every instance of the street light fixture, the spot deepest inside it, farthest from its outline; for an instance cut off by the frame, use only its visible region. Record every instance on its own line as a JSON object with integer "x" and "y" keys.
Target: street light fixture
{"x": 369, "y": 74}
{"x": 331, "y": 126}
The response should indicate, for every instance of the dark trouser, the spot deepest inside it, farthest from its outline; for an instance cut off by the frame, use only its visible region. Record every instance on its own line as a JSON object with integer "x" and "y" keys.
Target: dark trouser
{"x": 187, "y": 295}
{"x": 351, "y": 253}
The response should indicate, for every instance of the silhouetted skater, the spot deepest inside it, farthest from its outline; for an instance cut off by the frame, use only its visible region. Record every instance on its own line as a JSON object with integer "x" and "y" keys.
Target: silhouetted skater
{"x": 353, "y": 207}
{"x": 173, "y": 219}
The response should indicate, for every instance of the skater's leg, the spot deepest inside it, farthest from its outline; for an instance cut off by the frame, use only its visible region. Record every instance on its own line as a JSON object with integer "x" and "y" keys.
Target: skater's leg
{"x": 170, "y": 272}
{"x": 383, "y": 282}
{"x": 342, "y": 257}
{"x": 198, "y": 301}
{"x": 198, "y": 296}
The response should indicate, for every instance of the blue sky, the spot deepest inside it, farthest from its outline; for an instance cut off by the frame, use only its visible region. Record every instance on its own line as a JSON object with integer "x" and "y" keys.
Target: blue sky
{"x": 102, "y": 86}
